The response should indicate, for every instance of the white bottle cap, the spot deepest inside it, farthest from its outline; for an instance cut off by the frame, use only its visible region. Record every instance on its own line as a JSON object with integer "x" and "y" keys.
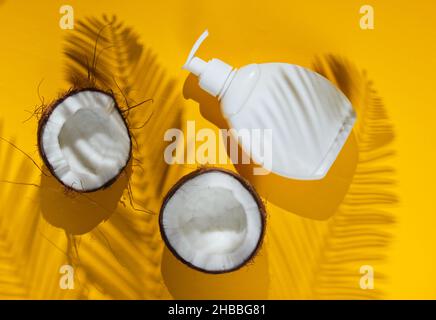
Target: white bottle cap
{"x": 212, "y": 74}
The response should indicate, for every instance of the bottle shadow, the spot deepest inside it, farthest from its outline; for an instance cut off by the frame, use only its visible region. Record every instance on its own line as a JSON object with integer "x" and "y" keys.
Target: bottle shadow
{"x": 79, "y": 213}
{"x": 183, "y": 282}
{"x": 317, "y": 199}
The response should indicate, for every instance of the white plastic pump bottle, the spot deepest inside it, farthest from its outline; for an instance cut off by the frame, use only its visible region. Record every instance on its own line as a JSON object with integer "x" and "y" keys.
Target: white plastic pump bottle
{"x": 310, "y": 119}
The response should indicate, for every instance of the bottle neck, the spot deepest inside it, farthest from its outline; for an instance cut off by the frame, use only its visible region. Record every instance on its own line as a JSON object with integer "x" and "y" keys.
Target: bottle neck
{"x": 214, "y": 76}
{"x": 227, "y": 84}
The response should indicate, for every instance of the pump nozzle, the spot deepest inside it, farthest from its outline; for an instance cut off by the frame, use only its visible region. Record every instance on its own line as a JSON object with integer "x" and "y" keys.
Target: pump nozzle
{"x": 212, "y": 74}
{"x": 194, "y": 64}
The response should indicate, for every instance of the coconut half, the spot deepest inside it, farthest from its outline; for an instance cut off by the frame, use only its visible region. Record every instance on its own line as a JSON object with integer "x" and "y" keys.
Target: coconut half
{"x": 213, "y": 220}
{"x": 84, "y": 140}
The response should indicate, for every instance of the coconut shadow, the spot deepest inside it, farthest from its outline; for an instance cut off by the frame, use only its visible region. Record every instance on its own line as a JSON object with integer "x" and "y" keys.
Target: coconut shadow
{"x": 316, "y": 199}
{"x": 249, "y": 282}
{"x": 78, "y": 213}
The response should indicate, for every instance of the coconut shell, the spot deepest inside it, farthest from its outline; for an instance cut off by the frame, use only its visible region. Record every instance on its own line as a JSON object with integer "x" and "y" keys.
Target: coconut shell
{"x": 248, "y": 187}
{"x": 46, "y": 115}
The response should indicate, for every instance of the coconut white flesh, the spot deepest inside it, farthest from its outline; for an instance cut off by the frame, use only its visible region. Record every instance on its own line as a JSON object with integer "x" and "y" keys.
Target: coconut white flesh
{"x": 213, "y": 222}
{"x": 86, "y": 141}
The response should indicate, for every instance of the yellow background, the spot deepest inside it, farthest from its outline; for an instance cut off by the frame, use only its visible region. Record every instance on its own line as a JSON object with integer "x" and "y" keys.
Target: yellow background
{"x": 398, "y": 55}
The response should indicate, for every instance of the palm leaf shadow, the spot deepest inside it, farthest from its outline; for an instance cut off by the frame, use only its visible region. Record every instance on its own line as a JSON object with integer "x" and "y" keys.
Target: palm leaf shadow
{"x": 29, "y": 251}
{"x": 326, "y": 257}
{"x": 12, "y": 285}
{"x": 127, "y": 248}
